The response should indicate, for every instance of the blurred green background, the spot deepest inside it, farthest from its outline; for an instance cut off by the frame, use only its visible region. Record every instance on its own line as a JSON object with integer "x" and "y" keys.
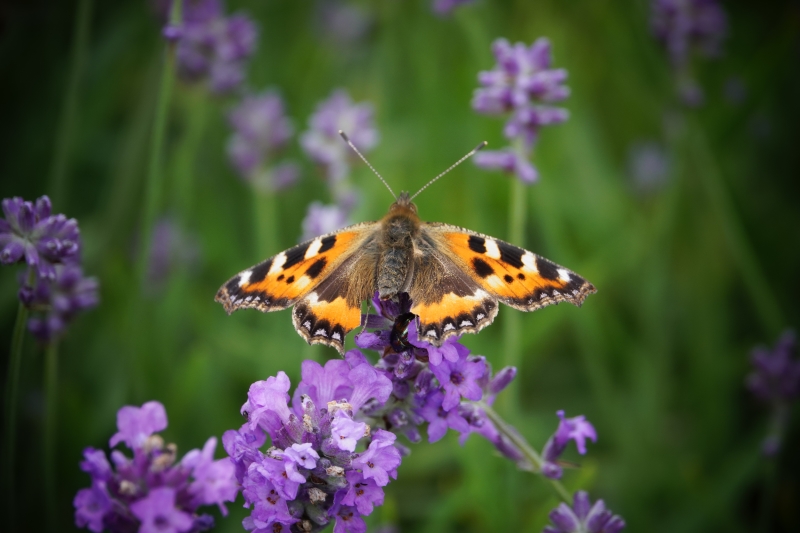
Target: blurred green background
{"x": 691, "y": 273}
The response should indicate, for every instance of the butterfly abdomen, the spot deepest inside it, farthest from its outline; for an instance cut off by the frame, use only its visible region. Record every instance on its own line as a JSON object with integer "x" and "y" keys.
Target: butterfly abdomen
{"x": 395, "y": 265}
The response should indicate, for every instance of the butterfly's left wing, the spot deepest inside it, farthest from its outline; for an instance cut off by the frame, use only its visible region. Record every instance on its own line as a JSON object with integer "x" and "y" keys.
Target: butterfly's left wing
{"x": 488, "y": 270}
{"x": 325, "y": 279}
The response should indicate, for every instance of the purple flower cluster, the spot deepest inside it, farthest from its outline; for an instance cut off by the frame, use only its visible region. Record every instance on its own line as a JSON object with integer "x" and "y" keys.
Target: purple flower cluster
{"x": 151, "y": 492}
{"x": 261, "y": 131}
{"x": 334, "y": 448}
{"x": 312, "y": 474}
{"x": 776, "y": 380}
{"x": 524, "y": 87}
{"x": 682, "y": 26}
{"x": 323, "y": 145}
{"x": 212, "y": 47}
{"x": 583, "y": 517}
{"x": 686, "y": 26}
{"x": 53, "y": 286}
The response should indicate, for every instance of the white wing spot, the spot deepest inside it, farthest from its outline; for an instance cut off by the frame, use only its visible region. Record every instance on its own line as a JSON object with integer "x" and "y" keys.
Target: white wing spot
{"x": 307, "y": 324}
{"x": 244, "y": 278}
{"x": 257, "y": 299}
{"x": 247, "y": 300}
{"x": 313, "y": 248}
{"x": 449, "y": 326}
{"x": 543, "y": 296}
{"x": 575, "y": 292}
{"x": 321, "y": 332}
{"x": 563, "y": 273}
{"x": 431, "y": 333}
{"x": 465, "y": 323}
{"x": 529, "y": 262}
{"x": 492, "y": 250}
{"x": 277, "y": 263}
{"x": 480, "y": 316}
{"x": 336, "y": 336}
{"x": 556, "y": 293}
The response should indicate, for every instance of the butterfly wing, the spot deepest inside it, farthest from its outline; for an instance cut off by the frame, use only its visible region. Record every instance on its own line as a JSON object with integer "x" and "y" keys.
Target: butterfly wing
{"x": 325, "y": 279}
{"x": 498, "y": 271}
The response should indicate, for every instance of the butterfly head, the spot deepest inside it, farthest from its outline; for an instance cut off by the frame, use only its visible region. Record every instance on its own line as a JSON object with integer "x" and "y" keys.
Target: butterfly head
{"x": 403, "y": 204}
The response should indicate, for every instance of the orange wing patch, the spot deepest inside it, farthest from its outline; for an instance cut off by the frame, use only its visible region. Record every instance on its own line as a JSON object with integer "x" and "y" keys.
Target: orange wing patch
{"x": 321, "y": 322}
{"x": 282, "y": 280}
{"x": 519, "y": 278}
{"x": 454, "y": 315}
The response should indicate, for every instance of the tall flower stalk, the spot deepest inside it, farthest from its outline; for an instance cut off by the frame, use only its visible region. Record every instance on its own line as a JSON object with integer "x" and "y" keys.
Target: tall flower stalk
{"x": 54, "y": 291}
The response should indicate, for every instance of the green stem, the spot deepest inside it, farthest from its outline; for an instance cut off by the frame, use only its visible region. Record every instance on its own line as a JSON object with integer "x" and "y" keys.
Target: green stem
{"x": 154, "y": 185}
{"x": 766, "y": 304}
{"x": 522, "y": 445}
{"x": 12, "y": 391}
{"x": 50, "y": 428}
{"x": 69, "y": 107}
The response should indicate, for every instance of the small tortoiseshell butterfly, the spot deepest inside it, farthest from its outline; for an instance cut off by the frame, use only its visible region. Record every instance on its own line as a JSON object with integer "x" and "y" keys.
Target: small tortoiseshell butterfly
{"x": 454, "y": 277}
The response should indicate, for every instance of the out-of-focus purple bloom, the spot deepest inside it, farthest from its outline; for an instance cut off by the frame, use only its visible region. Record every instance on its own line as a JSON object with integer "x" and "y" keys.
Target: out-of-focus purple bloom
{"x": 683, "y": 25}
{"x": 212, "y": 47}
{"x": 171, "y": 249}
{"x": 577, "y": 429}
{"x": 776, "y": 373}
{"x": 523, "y": 87}
{"x": 445, "y": 7}
{"x": 57, "y": 302}
{"x": 151, "y": 492}
{"x": 509, "y": 161}
{"x": 648, "y": 166}
{"x": 321, "y": 219}
{"x": 31, "y": 233}
{"x": 584, "y": 517}
{"x": 343, "y": 22}
{"x": 261, "y": 130}
{"x": 322, "y": 142}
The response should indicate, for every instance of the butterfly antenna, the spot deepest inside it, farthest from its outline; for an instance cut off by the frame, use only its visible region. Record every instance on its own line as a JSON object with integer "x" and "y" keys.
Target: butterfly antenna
{"x": 454, "y": 165}
{"x": 364, "y": 159}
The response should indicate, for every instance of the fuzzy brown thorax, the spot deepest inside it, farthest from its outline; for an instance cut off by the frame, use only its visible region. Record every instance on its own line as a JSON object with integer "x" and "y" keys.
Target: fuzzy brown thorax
{"x": 398, "y": 230}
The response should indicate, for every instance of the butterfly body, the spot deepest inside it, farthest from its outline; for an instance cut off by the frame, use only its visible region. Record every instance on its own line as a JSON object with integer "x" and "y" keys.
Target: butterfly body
{"x": 454, "y": 277}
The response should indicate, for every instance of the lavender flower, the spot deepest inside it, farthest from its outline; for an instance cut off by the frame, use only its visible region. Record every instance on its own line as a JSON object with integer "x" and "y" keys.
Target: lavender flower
{"x": 648, "y": 166}
{"x": 446, "y": 7}
{"x": 321, "y": 219}
{"x": 261, "y": 132}
{"x": 583, "y": 517}
{"x": 524, "y": 87}
{"x": 53, "y": 286}
{"x": 577, "y": 429}
{"x": 31, "y": 233}
{"x": 57, "y": 302}
{"x": 685, "y": 27}
{"x": 322, "y": 142}
{"x": 171, "y": 248}
{"x": 311, "y": 474}
{"x": 151, "y": 492}
{"x": 776, "y": 380}
{"x": 682, "y": 26}
{"x": 212, "y": 47}
{"x": 776, "y": 373}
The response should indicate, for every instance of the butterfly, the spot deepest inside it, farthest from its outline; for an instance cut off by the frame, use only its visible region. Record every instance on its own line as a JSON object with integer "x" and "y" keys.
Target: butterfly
{"x": 455, "y": 277}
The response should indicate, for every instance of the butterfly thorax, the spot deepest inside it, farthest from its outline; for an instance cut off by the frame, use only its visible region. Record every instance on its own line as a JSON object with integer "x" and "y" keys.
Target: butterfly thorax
{"x": 398, "y": 231}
